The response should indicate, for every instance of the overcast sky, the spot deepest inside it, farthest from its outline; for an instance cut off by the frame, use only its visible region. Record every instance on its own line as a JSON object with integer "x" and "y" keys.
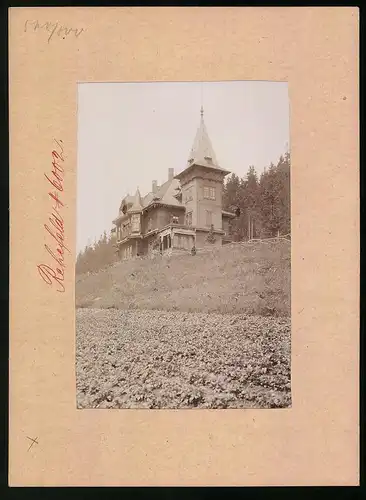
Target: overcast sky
{"x": 131, "y": 133}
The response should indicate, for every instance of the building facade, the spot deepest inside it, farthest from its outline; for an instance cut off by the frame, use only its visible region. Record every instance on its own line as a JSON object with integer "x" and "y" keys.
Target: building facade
{"x": 184, "y": 212}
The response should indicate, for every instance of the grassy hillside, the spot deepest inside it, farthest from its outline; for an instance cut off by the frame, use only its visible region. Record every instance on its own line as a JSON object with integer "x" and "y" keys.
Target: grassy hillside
{"x": 239, "y": 278}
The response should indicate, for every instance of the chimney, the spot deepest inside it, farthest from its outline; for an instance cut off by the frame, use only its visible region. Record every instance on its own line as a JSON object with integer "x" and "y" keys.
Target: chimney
{"x": 170, "y": 173}
{"x": 154, "y": 186}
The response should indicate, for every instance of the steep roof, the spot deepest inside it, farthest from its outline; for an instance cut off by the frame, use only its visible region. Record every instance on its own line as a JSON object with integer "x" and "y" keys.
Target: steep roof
{"x": 126, "y": 201}
{"x": 137, "y": 203}
{"x": 165, "y": 194}
{"x": 201, "y": 154}
{"x": 147, "y": 199}
{"x": 202, "y": 151}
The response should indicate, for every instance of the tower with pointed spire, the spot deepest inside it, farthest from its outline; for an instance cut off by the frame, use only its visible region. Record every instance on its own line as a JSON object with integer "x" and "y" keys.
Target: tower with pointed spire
{"x": 184, "y": 212}
{"x": 202, "y": 185}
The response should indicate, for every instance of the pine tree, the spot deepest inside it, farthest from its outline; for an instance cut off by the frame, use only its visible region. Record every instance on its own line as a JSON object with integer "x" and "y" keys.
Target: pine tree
{"x": 251, "y": 194}
{"x": 97, "y": 256}
{"x": 264, "y": 203}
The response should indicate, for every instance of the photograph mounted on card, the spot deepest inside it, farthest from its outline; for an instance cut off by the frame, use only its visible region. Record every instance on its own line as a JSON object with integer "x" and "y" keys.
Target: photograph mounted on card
{"x": 183, "y": 286}
{"x": 184, "y": 200}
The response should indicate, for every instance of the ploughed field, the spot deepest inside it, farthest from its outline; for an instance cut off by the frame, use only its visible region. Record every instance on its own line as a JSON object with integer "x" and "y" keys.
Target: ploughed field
{"x": 168, "y": 359}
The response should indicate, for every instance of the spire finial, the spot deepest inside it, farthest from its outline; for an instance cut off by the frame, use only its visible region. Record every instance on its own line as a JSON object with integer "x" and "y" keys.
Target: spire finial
{"x": 202, "y": 111}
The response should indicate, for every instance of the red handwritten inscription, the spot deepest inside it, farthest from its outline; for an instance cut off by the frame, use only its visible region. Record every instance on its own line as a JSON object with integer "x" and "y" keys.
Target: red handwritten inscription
{"x": 55, "y": 227}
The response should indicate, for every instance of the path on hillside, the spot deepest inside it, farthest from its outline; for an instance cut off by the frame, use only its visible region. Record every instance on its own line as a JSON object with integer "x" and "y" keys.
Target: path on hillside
{"x": 159, "y": 359}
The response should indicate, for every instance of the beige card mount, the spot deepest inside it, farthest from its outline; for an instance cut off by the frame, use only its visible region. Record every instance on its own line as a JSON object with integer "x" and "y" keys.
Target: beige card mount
{"x": 315, "y": 441}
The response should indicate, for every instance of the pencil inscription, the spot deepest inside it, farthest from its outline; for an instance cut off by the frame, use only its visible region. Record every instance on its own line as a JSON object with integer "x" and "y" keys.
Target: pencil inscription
{"x": 34, "y": 441}
{"x": 52, "y": 28}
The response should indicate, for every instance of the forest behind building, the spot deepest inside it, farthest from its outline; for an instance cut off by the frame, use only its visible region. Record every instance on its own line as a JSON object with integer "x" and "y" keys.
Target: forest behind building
{"x": 263, "y": 201}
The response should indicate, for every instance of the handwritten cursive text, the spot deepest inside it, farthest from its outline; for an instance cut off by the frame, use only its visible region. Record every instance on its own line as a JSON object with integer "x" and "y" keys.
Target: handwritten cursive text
{"x": 55, "y": 226}
{"x": 52, "y": 28}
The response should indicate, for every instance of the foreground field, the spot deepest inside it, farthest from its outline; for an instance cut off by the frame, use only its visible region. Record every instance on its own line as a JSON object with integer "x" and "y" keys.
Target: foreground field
{"x": 157, "y": 359}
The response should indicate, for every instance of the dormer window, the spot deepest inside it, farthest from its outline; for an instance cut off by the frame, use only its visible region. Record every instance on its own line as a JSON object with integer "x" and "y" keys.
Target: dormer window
{"x": 190, "y": 161}
{"x": 208, "y": 159}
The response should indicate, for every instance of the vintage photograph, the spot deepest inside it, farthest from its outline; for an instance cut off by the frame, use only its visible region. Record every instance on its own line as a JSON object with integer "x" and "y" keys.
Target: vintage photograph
{"x": 183, "y": 267}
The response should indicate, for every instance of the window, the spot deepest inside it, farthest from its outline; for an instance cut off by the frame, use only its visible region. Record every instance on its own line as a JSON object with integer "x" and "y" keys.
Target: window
{"x": 209, "y": 193}
{"x": 189, "y": 195}
{"x": 135, "y": 223}
{"x": 189, "y": 219}
{"x": 149, "y": 224}
{"x": 208, "y": 218}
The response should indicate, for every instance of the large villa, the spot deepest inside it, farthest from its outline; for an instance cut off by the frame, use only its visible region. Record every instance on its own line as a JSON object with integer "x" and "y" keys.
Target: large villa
{"x": 181, "y": 213}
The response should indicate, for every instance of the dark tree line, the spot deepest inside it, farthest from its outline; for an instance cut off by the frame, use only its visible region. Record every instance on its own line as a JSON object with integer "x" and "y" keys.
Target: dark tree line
{"x": 94, "y": 257}
{"x": 264, "y": 201}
